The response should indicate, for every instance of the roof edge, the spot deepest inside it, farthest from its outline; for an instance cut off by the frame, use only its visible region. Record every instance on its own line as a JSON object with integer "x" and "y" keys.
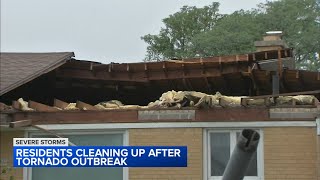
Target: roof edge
{"x": 47, "y": 69}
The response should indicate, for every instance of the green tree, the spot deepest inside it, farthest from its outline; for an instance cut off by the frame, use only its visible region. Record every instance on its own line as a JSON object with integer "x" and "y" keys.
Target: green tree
{"x": 205, "y": 32}
{"x": 174, "y": 40}
{"x": 300, "y": 22}
{"x": 232, "y": 34}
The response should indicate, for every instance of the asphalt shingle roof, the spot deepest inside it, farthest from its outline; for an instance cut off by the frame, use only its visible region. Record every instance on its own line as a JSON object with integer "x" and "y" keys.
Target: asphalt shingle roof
{"x": 17, "y": 69}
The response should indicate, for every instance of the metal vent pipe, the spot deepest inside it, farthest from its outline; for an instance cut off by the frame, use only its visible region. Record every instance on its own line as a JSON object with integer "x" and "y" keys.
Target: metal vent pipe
{"x": 242, "y": 154}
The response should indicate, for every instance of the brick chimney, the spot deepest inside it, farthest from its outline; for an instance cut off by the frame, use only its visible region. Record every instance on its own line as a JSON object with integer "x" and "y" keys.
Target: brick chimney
{"x": 271, "y": 41}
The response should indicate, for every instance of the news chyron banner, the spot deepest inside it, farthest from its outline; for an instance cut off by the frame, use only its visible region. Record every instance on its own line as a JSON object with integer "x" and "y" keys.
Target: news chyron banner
{"x": 55, "y": 152}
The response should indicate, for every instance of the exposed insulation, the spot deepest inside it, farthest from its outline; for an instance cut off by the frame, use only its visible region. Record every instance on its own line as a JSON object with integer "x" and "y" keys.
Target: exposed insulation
{"x": 71, "y": 106}
{"x": 304, "y": 100}
{"x": 24, "y": 105}
{"x": 195, "y": 99}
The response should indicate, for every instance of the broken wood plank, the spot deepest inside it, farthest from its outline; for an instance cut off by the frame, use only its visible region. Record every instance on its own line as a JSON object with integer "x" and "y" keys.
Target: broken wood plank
{"x": 21, "y": 123}
{"x": 244, "y": 102}
{"x": 60, "y": 104}
{"x": 41, "y": 107}
{"x": 4, "y": 107}
{"x": 28, "y": 122}
{"x": 16, "y": 105}
{"x": 85, "y": 106}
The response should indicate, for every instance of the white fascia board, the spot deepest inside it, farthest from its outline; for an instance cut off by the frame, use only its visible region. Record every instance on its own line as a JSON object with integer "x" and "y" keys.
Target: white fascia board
{"x": 259, "y": 124}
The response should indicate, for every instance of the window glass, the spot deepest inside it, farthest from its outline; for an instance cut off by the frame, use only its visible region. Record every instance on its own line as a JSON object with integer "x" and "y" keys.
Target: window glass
{"x": 83, "y": 173}
{"x": 252, "y": 168}
{"x": 220, "y": 152}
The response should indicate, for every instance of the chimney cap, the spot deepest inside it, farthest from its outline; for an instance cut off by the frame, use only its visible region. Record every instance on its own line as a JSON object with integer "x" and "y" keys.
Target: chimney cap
{"x": 274, "y": 33}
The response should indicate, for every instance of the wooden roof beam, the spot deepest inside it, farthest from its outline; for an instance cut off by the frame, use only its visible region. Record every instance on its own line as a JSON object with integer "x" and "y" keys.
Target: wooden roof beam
{"x": 146, "y": 70}
{"x": 60, "y": 104}
{"x": 152, "y": 75}
{"x": 253, "y": 80}
{"x": 283, "y": 83}
{"x": 280, "y": 68}
{"x": 129, "y": 70}
{"x": 203, "y": 67}
{"x": 300, "y": 78}
{"x": 15, "y": 105}
{"x": 84, "y": 106}
{"x": 226, "y": 85}
{"x": 41, "y": 107}
{"x": 205, "y": 78}
{"x": 207, "y": 84}
{"x": 164, "y": 69}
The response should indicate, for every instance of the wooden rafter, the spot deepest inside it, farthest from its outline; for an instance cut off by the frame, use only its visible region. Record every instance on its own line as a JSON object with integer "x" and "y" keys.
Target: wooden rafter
{"x": 60, "y": 104}
{"x": 41, "y": 107}
{"x": 280, "y": 68}
{"x": 140, "y": 76}
{"x": 146, "y": 70}
{"x": 207, "y": 84}
{"x": 84, "y": 106}
{"x": 283, "y": 83}
{"x": 300, "y": 78}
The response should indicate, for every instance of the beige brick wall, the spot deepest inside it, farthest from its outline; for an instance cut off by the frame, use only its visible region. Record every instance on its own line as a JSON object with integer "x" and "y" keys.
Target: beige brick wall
{"x": 6, "y": 154}
{"x": 191, "y": 137}
{"x": 318, "y": 149}
{"x": 290, "y": 153}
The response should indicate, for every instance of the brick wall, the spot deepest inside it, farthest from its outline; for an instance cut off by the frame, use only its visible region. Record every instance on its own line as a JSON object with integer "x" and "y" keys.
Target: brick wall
{"x": 318, "y": 149}
{"x": 290, "y": 153}
{"x": 6, "y": 154}
{"x": 191, "y": 137}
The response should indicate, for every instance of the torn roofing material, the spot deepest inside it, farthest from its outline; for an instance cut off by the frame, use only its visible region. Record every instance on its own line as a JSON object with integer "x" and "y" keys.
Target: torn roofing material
{"x": 20, "y": 68}
{"x": 173, "y": 99}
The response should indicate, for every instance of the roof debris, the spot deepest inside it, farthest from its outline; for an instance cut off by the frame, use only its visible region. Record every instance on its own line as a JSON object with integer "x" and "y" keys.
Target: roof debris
{"x": 181, "y": 99}
{"x": 24, "y": 105}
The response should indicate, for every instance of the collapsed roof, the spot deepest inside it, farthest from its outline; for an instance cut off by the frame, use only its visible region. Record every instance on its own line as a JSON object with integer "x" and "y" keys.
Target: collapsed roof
{"x": 59, "y": 76}
{"x": 172, "y": 106}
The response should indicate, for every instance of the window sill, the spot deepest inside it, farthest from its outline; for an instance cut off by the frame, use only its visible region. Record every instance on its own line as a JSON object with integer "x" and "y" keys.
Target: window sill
{"x": 245, "y": 178}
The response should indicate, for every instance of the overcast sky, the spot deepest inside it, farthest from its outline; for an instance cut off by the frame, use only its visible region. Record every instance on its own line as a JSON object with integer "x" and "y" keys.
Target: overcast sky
{"x": 98, "y": 30}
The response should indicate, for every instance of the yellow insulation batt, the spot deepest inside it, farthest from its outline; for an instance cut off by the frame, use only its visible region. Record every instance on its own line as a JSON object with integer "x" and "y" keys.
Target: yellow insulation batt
{"x": 179, "y": 99}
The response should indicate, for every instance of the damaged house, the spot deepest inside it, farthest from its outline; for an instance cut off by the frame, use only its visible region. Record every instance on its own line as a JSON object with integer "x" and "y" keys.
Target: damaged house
{"x": 202, "y": 103}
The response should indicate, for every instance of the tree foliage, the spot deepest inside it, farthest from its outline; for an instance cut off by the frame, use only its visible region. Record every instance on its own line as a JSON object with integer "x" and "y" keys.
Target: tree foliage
{"x": 233, "y": 34}
{"x": 175, "y": 39}
{"x": 205, "y": 32}
{"x": 300, "y": 22}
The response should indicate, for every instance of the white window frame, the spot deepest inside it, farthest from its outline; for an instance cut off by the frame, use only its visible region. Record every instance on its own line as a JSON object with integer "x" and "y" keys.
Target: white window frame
{"x": 27, "y": 171}
{"x": 207, "y": 154}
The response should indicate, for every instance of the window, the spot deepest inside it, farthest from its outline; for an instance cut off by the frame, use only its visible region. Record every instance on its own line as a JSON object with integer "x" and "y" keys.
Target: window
{"x": 81, "y": 138}
{"x": 219, "y": 146}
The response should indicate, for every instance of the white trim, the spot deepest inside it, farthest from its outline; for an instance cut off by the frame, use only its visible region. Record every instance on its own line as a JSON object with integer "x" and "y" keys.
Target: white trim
{"x": 261, "y": 155}
{"x": 126, "y": 143}
{"x": 257, "y": 124}
{"x": 27, "y": 172}
{"x": 318, "y": 125}
{"x": 207, "y": 154}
